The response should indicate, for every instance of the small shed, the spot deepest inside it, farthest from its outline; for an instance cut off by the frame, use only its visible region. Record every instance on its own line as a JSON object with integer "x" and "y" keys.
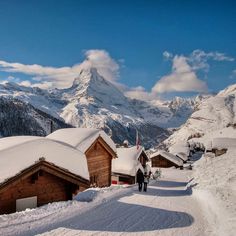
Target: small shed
{"x": 35, "y": 171}
{"x": 125, "y": 167}
{"x": 163, "y": 159}
{"x": 98, "y": 148}
{"x": 220, "y": 145}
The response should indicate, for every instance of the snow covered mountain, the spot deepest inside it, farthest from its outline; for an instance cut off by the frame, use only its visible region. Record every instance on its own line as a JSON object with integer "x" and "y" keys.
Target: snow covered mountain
{"x": 214, "y": 115}
{"x": 94, "y": 102}
{"x": 20, "y": 118}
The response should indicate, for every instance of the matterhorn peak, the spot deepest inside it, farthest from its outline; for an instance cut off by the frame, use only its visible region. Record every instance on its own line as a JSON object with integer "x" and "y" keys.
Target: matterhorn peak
{"x": 85, "y": 76}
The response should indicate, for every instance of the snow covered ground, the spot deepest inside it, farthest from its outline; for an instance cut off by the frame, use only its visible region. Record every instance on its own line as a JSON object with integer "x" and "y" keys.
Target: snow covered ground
{"x": 168, "y": 208}
{"x": 215, "y": 180}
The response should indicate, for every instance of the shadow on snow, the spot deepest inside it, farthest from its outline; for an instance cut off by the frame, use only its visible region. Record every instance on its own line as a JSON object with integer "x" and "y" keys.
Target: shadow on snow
{"x": 116, "y": 216}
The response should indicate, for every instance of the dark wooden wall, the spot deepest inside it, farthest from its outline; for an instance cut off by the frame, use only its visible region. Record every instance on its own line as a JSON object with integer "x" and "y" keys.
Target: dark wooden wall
{"x": 161, "y": 162}
{"x": 99, "y": 165}
{"x": 47, "y": 188}
{"x": 122, "y": 179}
{"x": 142, "y": 160}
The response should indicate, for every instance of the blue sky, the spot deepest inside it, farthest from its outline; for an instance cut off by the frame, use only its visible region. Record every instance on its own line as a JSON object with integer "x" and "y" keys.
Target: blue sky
{"x": 128, "y": 37}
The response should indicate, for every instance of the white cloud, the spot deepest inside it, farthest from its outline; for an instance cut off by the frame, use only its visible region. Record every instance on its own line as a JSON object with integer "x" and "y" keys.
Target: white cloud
{"x": 63, "y": 76}
{"x": 199, "y": 59}
{"x": 102, "y": 61}
{"x": 139, "y": 93}
{"x": 167, "y": 55}
{"x": 182, "y": 79}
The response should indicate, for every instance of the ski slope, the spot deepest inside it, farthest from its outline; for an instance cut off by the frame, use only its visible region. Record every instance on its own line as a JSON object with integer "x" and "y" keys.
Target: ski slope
{"x": 167, "y": 208}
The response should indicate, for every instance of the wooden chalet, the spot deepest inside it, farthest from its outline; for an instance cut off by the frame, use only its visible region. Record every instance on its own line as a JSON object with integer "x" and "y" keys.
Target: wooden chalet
{"x": 129, "y": 161}
{"x": 98, "y": 148}
{"x": 28, "y": 180}
{"x": 219, "y": 146}
{"x": 163, "y": 159}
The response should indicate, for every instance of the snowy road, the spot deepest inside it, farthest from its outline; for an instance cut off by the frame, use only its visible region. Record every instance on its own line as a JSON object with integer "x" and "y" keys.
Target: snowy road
{"x": 166, "y": 209}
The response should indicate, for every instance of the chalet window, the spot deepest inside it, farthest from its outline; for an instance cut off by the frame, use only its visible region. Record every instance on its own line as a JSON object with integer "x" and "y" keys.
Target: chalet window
{"x": 123, "y": 179}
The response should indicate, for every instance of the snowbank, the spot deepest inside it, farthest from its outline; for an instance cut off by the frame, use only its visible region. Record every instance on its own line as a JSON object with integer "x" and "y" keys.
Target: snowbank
{"x": 215, "y": 180}
{"x": 88, "y": 195}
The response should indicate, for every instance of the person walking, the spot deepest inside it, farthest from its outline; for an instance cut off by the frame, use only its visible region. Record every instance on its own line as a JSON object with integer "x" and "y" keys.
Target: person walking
{"x": 145, "y": 180}
{"x": 140, "y": 179}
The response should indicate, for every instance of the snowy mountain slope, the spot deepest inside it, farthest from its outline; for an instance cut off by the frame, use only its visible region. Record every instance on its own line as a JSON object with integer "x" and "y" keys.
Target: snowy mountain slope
{"x": 94, "y": 102}
{"x": 168, "y": 114}
{"x": 214, "y": 113}
{"x": 20, "y": 118}
{"x": 46, "y": 101}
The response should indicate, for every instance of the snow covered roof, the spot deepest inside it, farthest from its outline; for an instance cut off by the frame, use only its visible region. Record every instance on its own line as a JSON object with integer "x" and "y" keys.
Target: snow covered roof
{"x": 15, "y": 140}
{"x": 168, "y": 156}
{"x": 220, "y": 143}
{"x": 182, "y": 155}
{"x": 81, "y": 138}
{"x": 18, "y": 153}
{"x": 180, "y": 147}
{"x": 127, "y": 161}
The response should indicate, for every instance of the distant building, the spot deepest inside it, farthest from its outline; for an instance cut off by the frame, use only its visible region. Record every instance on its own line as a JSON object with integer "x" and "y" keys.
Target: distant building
{"x": 129, "y": 161}
{"x": 35, "y": 171}
{"x": 183, "y": 156}
{"x": 98, "y": 148}
{"x": 219, "y": 146}
{"x": 163, "y": 159}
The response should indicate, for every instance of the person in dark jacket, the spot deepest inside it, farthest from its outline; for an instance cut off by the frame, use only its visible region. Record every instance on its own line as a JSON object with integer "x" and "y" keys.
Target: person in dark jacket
{"x": 140, "y": 179}
{"x": 146, "y": 179}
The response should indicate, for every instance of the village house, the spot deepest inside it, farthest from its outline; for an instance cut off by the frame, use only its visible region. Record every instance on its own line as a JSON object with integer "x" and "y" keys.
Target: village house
{"x": 35, "y": 171}
{"x": 98, "y": 148}
{"x": 219, "y": 146}
{"x": 129, "y": 161}
{"x": 163, "y": 159}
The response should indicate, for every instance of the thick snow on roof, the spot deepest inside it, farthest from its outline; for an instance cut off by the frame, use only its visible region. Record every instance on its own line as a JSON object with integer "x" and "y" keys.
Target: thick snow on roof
{"x": 179, "y": 148}
{"x": 127, "y": 161}
{"x": 81, "y": 138}
{"x": 182, "y": 155}
{"x": 26, "y": 151}
{"x": 223, "y": 143}
{"x": 169, "y": 157}
{"x": 15, "y": 140}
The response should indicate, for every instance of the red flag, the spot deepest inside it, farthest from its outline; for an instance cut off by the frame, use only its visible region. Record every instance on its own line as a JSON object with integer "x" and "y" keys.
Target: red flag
{"x": 137, "y": 139}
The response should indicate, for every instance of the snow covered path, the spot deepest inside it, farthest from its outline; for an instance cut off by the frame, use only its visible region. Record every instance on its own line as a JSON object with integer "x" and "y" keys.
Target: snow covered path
{"x": 166, "y": 209}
